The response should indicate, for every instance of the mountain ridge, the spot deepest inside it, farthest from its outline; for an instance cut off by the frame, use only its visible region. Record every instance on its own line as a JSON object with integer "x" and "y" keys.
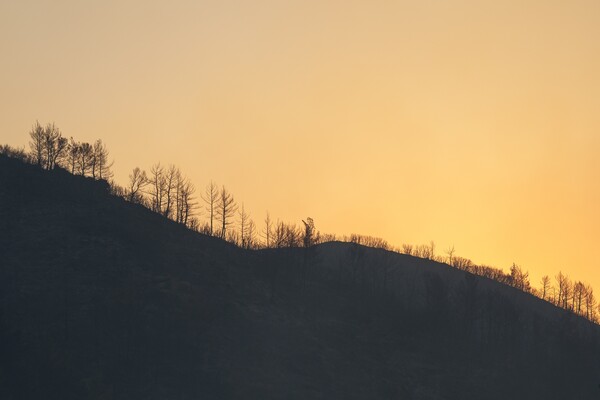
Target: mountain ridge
{"x": 102, "y": 298}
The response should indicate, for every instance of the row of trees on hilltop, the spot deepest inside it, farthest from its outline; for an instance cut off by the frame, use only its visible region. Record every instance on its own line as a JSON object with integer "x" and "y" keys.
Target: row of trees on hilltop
{"x": 49, "y": 149}
{"x": 575, "y": 296}
{"x": 168, "y": 192}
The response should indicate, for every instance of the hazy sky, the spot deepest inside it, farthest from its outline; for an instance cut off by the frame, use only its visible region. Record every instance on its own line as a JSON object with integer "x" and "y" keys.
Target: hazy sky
{"x": 473, "y": 123}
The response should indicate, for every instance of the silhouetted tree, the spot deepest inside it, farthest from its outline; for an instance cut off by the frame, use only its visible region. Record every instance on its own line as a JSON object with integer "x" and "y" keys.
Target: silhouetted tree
{"x": 37, "y": 144}
{"x": 519, "y": 278}
{"x": 54, "y": 145}
{"x": 244, "y": 219}
{"x": 85, "y": 156}
{"x": 157, "y": 187}
{"x": 251, "y": 235}
{"x": 226, "y": 210}
{"x": 72, "y": 155}
{"x": 545, "y": 286}
{"x": 137, "y": 181}
{"x": 100, "y": 167}
{"x": 450, "y": 253}
{"x": 184, "y": 200}
{"x": 47, "y": 145}
{"x": 408, "y": 249}
{"x": 268, "y": 231}
{"x": 590, "y": 304}
{"x": 211, "y": 197}
{"x": 293, "y": 236}
{"x": 279, "y": 235}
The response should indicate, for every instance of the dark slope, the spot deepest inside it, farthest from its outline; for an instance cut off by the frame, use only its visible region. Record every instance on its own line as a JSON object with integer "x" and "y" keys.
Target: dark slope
{"x": 102, "y": 299}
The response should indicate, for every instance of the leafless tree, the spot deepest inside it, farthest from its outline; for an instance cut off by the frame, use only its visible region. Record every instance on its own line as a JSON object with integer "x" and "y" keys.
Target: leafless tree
{"x": 47, "y": 145}
{"x": 578, "y": 297}
{"x": 157, "y": 187}
{"x": 210, "y": 198}
{"x": 244, "y": 220}
{"x": 84, "y": 159}
{"x": 185, "y": 204}
{"x": 37, "y": 144}
{"x": 54, "y": 145}
{"x": 137, "y": 181}
{"x": 407, "y": 249}
{"x": 279, "y": 235}
{"x": 100, "y": 167}
{"x": 72, "y": 156}
{"x": 251, "y": 235}
{"x": 170, "y": 178}
{"x": 590, "y": 304}
{"x": 450, "y": 253}
{"x": 293, "y": 236}
{"x": 560, "y": 283}
{"x": 545, "y": 286}
{"x": 519, "y": 278}
{"x": 267, "y": 232}
{"x": 226, "y": 210}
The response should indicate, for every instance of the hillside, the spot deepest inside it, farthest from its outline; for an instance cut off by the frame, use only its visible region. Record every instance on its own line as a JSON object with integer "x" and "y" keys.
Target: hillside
{"x": 103, "y": 299}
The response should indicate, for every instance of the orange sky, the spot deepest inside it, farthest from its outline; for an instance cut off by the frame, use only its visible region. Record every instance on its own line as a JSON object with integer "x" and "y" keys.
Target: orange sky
{"x": 473, "y": 123}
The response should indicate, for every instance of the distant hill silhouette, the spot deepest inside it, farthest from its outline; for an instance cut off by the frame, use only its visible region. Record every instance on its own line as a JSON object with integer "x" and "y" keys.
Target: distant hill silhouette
{"x": 104, "y": 299}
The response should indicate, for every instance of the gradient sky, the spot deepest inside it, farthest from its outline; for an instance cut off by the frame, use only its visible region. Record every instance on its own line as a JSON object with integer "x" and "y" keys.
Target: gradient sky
{"x": 473, "y": 123}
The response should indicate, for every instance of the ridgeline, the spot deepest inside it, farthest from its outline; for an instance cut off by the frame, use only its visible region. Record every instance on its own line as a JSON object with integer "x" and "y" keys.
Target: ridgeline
{"x": 101, "y": 298}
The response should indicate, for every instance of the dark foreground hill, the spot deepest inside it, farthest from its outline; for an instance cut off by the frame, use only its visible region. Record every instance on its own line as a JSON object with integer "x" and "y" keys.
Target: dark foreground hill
{"x": 102, "y": 299}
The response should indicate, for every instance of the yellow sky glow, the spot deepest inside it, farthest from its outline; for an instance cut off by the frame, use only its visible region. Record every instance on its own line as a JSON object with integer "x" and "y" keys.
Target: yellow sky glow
{"x": 473, "y": 123}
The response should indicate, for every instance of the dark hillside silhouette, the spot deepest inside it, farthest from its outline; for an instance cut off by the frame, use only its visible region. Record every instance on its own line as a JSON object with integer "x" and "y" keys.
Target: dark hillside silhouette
{"x": 166, "y": 191}
{"x": 102, "y": 298}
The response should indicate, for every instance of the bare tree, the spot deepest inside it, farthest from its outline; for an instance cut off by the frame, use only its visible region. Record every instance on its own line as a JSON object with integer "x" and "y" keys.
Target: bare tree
{"x": 170, "y": 178}
{"x": 211, "y": 197}
{"x": 72, "y": 155}
{"x": 186, "y": 205}
{"x": 578, "y": 297}
{"x": 293, "y": 236}
{"x": 407, "y": 249}
{"x": 137, "y": 181}
{"x": 450, "y": 253}
{"x": 545, "y": 286}
{"x": 560, "y": 283}
{"x": 47, "y": 145}
{"x": 590, "y": 304}
{"x": 267, "y": 233}
{"x": 157, "y": 187}
{"x": 54, "y": 145}
{"x": 564, "y": 290}
{"x": 244, "y": 220}
{"x": 226, "y": 210}
{"x": 100, "y": 167}
{"x": 251, "y": 235}
{"x": 519, "y": 278}
{"x": 37, "y": 144}
{"x": 279, "y": 235}
{"x": 84, "y": 158}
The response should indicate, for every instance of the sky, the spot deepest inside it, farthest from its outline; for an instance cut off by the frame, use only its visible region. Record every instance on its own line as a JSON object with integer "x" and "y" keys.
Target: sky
{"x": 471, "y": 123}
